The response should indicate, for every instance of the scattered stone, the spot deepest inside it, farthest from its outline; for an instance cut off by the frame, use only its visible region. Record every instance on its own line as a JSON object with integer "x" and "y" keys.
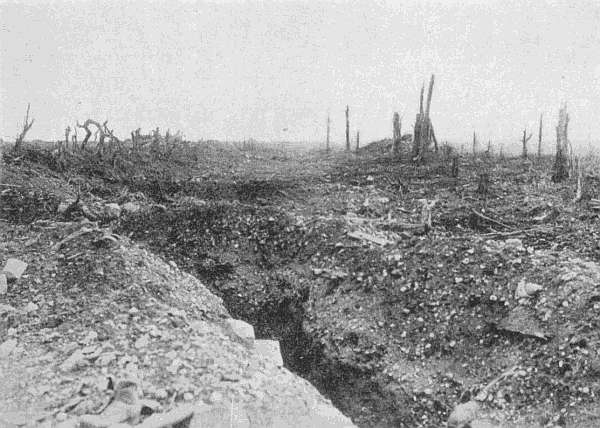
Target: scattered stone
{"x": 463, "y": 414}
{"x": 130, "y": 208}
{"x": 3, "y": 284}
{"x": 14, "y": 269}
{"x": 214, "y": 397}
{"x": 149, "y": 406}
{"x": 527, "y": 289}
{"x": 176, "y": 417}
{"x": 514, "y": 244}
{"x": 76, "y": 361}
{"x": 69, "y": 423}
{"x": 161, "y": 394}
{"x": 6, "y": 309}
{"x": 522, "y": 320}
{"x": 63, "y": 206}
{"x": 241, "y": 328}
{"x": 31, "y": 307}
{"x": 112, "y": 211}
{"x": 223, "y": 416}
{"x": 90, "y": 337}
{"x": 269, "y": 350}
{"x": 7, "y": 347}
{"x": 142, "y": 342}
{"x": 106, "y": 359}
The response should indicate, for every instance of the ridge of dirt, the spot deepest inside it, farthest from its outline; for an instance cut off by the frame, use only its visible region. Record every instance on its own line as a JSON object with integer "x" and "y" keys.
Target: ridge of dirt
{"x": 132, "y": 315}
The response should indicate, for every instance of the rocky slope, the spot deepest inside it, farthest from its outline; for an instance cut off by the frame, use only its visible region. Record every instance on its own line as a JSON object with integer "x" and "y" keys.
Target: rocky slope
{"x": 97, "y": 326}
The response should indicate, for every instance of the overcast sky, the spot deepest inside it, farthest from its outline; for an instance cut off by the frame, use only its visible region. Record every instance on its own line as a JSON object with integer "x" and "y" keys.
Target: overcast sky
{"x": 273, "y": 70}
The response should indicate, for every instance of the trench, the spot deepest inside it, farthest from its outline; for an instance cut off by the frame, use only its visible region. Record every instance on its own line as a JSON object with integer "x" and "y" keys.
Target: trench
{"x": 274, "y": 303}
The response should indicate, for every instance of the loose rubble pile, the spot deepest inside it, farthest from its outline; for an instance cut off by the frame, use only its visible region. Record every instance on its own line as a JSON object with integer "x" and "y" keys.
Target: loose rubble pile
{"x": 96, "y": 332}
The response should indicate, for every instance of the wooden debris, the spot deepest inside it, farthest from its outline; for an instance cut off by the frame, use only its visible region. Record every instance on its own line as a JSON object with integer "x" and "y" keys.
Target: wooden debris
{"x": 363, "y": 236}
{"x": 561, "y": 161}
{"x": 27, "y": 124}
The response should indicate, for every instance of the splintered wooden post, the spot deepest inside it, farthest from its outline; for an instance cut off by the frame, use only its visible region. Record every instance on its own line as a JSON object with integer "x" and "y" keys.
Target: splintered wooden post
{"x": 423, "y": 132}
{"x": 347, "y": 128}
{"x": 426, "y": 208}
{"x": 484, "y": 184}
{"x": 561, "y": 161}
{"x": 27, "y": 124}
{"x": 67, "y": 133}
{"x": 418, "y": 127}
{"x": 579, "y": 189}
{"x": 454, "y": 167}
{"x": 525, "y": 140}
{"x": 539, "y": 151}
{"x": 396, "y": 134}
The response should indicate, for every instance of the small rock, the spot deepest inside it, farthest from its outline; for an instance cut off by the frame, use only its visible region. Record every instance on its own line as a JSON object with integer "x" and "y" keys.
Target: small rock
{"x": 177, "y": 417}
{"x": 3, "y": 284}
{"x": 7, "y": 347}
{"x": 188, "y": 396}
{"x": 6, "y": 309}
{"x": 90, "y": 337}
{"x": 269, "y": 350}
{"x": 69, "y": 423}
{"x": 13, "y": 269}
{"x": 215, "y": 397}
{"x": 142, "y": 342}
{"x": 76, "y": 361}
{"x": 63, "y": 206}
{"x": 527, "y": 289}
{"x": 149, "y": 406}
{"x": 483, "y": 423}
{"x": 241, "y": 328}
{"x": 161, "y": 394}
{"x": 130, "y": 208}
{"x": 106, "y": 359}
{"x": 463, "y": 414}
{"x": 515, "y": 244}
{"x": 31, "y": 307}
{"x": 112, "y": 211}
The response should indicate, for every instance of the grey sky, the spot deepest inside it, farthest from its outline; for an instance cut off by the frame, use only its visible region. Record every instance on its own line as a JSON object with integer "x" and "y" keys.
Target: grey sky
{"x": 247, "y": 69}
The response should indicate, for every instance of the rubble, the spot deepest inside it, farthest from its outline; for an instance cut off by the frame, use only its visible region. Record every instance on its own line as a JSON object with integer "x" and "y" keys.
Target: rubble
{"x": 14, "y": 269}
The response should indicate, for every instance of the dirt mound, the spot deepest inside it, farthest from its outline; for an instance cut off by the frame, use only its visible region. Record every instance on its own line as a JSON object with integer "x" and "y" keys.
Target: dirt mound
{"x": 93, "y": 308}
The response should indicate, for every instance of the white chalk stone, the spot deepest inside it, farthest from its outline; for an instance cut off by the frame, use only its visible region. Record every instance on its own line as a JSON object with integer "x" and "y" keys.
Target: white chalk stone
{"x": 269, "y": 350}
{"x": 241, "y": 328}
{"x": 14, "y": 268}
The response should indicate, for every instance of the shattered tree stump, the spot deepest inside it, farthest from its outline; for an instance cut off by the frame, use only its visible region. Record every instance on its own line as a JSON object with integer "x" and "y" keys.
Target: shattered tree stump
{"x": 561, "y": 160}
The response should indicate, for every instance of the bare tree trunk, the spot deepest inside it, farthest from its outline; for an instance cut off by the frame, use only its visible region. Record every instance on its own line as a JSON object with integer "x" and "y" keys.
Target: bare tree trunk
{"x": 561, "y": 161}
{"x": 423, "y": 132}
{"x": 579, "y": 189}
{"x": 27, "y": 124}
{"x": 397, "y": 134}
{"x": 525, "y": 140}
{"x": 357, "y": 140}
{"x": 474, "y": 144}
{"x": 347, "y": 128}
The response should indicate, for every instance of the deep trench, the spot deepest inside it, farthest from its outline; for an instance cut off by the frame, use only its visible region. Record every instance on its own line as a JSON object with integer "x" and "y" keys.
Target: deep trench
{"x": 280, "y": 314}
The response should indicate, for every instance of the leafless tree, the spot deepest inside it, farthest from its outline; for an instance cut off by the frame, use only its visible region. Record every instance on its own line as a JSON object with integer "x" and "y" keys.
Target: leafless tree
{"x": 27, "y": 124}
